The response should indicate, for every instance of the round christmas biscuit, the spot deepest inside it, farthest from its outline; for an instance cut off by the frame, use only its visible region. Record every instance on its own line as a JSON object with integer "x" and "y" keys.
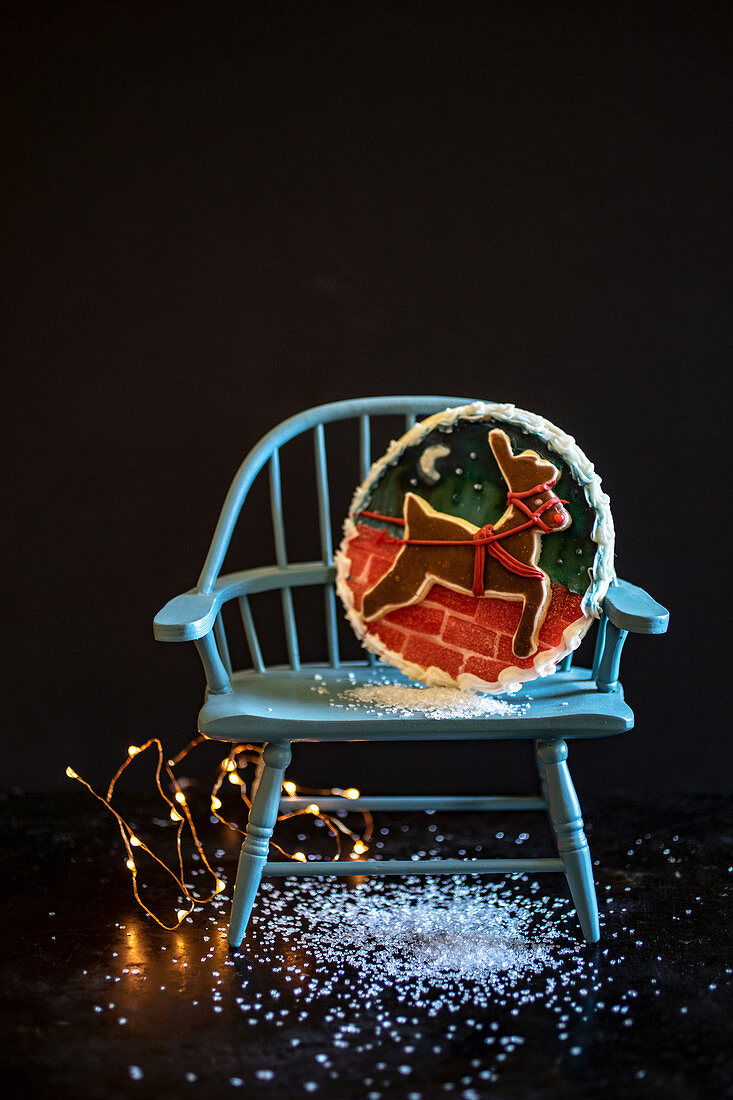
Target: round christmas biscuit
{"x": 478, "y": 550}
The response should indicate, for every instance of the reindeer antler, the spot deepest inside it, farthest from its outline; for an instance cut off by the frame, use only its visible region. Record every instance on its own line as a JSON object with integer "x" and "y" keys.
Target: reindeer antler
{"x": 502, "y": 448}
{"x": 523, "y": 470}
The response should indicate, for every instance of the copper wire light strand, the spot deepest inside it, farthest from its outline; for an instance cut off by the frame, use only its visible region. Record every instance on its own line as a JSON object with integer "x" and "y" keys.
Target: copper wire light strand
{"x": 240, "y": 756}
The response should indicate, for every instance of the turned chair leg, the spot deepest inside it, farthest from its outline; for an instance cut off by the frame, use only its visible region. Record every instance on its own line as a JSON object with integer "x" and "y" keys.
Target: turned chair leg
{"x": 253, "y": 856}
{"x": 571, "y": 840}
{"x": 540, "y": 771}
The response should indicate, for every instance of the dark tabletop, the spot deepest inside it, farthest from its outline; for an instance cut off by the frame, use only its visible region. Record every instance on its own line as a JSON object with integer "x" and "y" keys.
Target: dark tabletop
{"x": 374, "y": 990}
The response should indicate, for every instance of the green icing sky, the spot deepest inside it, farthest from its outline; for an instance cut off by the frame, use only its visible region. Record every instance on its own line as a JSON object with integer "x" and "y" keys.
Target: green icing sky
{"x": 471, "y": 486}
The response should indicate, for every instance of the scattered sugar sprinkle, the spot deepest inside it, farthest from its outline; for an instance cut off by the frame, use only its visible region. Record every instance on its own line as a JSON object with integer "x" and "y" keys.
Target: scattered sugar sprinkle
{"x": 405, "y": 700}
{"x": 436, "y": 941}
{"x": 371, "y": 965}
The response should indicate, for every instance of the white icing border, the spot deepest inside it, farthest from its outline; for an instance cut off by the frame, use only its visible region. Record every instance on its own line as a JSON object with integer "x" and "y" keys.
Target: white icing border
{"x": 601, "y": 572}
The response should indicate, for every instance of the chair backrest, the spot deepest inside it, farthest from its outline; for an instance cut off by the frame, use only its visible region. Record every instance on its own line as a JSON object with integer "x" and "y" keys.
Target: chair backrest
{"x": 284, "y": 575}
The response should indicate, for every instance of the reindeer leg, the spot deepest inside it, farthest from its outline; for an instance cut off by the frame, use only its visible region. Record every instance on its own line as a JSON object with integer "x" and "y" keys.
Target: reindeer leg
{"x": 397, "y": 588}
{"x": 537, "y": 597}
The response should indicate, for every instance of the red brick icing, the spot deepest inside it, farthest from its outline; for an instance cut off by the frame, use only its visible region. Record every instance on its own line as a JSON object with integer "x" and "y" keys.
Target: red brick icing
{"x": 447, "y": 630}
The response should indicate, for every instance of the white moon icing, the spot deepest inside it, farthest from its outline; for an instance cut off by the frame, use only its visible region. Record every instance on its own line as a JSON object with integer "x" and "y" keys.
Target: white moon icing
{"x": 428, "y": 458}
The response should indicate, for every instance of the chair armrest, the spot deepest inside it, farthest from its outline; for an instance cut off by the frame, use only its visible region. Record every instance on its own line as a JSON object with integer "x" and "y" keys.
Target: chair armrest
{"x": 192, "y": 615}
{"x": 190, "y": 618}
{"x": 186, "y": 618}
{"x": 626, "y": 609}
{"x": 631, "y": 608}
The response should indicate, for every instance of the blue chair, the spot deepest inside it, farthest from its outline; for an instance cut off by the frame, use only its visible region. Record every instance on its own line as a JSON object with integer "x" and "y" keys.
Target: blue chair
{"x": 277, "y": 705}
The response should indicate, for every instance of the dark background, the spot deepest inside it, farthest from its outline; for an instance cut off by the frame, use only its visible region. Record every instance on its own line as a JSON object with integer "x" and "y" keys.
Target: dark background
{"x": 218, "y": 215}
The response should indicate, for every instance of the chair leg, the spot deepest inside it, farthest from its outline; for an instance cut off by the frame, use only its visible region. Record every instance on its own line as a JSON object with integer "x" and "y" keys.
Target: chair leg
{"x": 540, "y": 771}
{"x": 253, "y": 856}
{"x": 572, "y": 844}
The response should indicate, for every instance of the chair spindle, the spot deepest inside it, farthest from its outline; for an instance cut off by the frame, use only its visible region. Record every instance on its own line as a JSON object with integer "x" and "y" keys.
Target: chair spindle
{"x": 216, "y": 675}
{"x": 324, "y": 523}
{"x": 222, "y": 644}
{"x": 278, "y": 528}
{"x": 250, "y": 634}
{"x": 365, "y": 462}
{"x": 276, "y": 509}
{"x": 365, "y": 447}
{"x": 600, "y": 645}
{"x": 324, "y": 505}
{"x": 607, "y": 679}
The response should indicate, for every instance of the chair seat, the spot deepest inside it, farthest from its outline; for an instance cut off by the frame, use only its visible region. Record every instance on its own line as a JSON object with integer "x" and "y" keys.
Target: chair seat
{"x": 315, "y": 703}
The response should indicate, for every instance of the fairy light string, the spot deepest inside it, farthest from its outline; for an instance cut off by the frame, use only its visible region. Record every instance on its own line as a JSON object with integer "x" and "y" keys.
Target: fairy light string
{"x": 229, "y": 775}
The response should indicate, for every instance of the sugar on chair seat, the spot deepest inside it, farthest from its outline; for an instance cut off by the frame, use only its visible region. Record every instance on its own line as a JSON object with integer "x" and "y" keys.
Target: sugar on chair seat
{"x": 278, "y": 705}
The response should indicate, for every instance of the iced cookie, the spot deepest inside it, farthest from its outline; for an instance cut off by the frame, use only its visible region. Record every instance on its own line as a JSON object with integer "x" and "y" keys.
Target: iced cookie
{"x": 477, "y": 551}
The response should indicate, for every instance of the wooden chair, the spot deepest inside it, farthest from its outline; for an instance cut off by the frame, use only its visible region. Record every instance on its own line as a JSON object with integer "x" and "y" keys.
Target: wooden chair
{"x": 277, "y": 705}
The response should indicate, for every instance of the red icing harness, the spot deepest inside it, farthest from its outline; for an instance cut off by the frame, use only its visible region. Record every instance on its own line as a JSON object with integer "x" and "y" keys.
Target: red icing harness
{"x": 486, "y": 539}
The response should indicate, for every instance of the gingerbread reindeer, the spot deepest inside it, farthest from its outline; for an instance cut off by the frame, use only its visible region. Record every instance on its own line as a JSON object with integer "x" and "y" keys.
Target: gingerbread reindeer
{"x": 497, "y": 560}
